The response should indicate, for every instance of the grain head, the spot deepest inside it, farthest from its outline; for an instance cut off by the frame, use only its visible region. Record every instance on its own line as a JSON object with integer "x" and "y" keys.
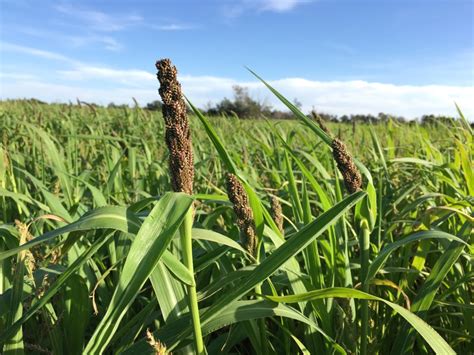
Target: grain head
{"x": 346, "y": 165}
{"x": 238, "y": 197}
{"x": 277, "y": 213}
{"x": 178, "y": 135}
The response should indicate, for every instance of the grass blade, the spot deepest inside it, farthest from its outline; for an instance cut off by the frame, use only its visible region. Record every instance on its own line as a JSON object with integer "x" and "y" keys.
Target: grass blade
{"x": 148, "y": 246}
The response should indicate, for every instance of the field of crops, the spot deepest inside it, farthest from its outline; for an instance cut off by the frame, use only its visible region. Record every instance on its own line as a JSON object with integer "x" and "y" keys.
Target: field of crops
{"x": 96, "y": 253}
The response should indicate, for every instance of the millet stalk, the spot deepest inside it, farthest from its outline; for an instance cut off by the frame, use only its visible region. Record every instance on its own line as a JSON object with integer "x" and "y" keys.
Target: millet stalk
{"x": 178, "y": 140}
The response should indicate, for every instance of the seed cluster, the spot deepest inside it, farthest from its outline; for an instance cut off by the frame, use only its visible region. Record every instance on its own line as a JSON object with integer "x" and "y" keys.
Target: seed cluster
{"x": 178, "y": 135}
{"x": 320, "y": 122}
{"x": 238, "y": 197}
{"x": 277, "y": 213}
{"x": 158, "y": 347}
{"x": 345, "y": 164}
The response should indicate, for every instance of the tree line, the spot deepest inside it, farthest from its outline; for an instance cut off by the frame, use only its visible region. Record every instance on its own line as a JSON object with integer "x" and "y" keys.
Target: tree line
{"x": 243, "y": 106}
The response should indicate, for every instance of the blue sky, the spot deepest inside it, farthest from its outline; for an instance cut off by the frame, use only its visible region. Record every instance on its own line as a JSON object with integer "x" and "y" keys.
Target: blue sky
{"x": 404, "y": 57}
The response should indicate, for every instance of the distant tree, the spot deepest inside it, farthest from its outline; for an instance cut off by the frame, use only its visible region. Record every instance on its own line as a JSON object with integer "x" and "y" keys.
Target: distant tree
{"x": 297, "y": 103}
{"x": 114, "y": 105}
{"x": 383, "y": 117}
{"x": 345, "y": 119}
{"x": 400, "y": 119}
{"x": 36, "y": 101}
{"x": 242, "y": 105}
{"x": 154, "y": 105}
{"x": 434, "y": 120}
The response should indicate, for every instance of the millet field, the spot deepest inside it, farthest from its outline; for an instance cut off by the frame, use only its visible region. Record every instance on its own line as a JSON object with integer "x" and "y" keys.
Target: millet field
{"x": 131, "y": 231}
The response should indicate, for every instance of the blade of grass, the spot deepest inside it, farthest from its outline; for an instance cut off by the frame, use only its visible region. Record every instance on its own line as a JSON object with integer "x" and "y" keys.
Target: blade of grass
{"x": 434, "y": 340}
{"x": 148, "y": 246}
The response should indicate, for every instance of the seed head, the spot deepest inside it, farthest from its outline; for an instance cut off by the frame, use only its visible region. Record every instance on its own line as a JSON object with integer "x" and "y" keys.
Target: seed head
{"x": 158, "y": 347}
{"x": 238, "y": 197}
{"x": 277, "y": 213}
{"x": 345, "y": 164}
{"x": 178, "y": 135}
{"x": 27, "y": 256}
{"x": 320, "y": 122}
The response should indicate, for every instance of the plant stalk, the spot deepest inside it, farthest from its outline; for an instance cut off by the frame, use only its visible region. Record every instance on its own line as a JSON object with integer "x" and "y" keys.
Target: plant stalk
{"x": 364, "y": 264}
{"x": 186, "y": 244}
{"x": 261, "y": 326}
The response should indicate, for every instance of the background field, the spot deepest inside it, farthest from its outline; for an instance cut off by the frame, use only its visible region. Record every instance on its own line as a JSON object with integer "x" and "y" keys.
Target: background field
{"x": 57, "y": 162}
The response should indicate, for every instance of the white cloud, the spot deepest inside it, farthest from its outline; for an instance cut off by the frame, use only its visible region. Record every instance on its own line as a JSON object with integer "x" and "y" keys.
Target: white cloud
{"x": 10, "y": 47}
{"x": 280, "y": 5}
{"x": 105, "y": 84}
{"x": 338, "y": 97}
{"x": 239, "y": 7}
{"x": 18, "y": 76}
{"x": 98, "y": 20}
{"x": 82, "y": 40}
{"x": 50, "y": 92}
{"x": 172, "y": 27}
{"x": 132, "y": 77}
{"x": 108, "y": 43}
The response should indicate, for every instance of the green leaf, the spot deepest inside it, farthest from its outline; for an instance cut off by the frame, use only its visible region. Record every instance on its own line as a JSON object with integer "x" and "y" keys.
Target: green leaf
{"x": 296, "y": 111}
{"x": 14, "y": 341}
{"x": 110, "y": 217}
{"x": 54, "y": 288}
{"x": 382, "y": 257}
{"x": 434, "y": 340}
{"x": 77, "y": 309}
{"x": 152, "y": 239}
{"x": 238, "y": 311}
{"x": 211, "y": 236}
{"x": 425, "y": 296}
{"x": 211, "y": 133}
{"x": 117, "y": 218}
{"x": 295, "y": 244}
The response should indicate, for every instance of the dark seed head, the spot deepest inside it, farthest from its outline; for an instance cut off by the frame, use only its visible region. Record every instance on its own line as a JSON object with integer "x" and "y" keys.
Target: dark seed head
{"x": 178, "y": 135}
{"x": 238, "y": 197}
{"x": 345, "y": 164}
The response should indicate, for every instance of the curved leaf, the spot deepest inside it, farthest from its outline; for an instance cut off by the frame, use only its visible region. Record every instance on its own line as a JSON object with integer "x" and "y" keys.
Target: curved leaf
{"x": 238, "y": 311}
{"x": 148, "y": 246}
{"x": 435, "y": 341}
{"x": 382, "y": 257}
{"x": 295, "y": 244}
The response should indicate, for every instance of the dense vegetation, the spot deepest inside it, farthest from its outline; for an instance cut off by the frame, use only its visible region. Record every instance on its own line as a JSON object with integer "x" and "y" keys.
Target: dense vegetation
{"x": 87, "y": 230}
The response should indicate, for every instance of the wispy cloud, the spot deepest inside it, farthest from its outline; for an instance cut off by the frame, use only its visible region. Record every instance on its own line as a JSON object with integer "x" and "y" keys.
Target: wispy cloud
{"x": 280, "y": 5}
{"x": 239, "y": 7}
{"x": 11, "y": 47}
{"x": 132, "y": 77}
{"x": 108, "y": 43}
{"x": 173, "y": 27}
{"x": 98, "y": 20}
{"x": 18, "y": 76}
{"x": 84, "y": 39}
{"x": 339, "y": 47}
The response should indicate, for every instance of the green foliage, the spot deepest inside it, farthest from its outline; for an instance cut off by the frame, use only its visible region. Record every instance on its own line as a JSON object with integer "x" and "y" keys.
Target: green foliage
{"x": 90, "y": 254}
{"x": 242, "y": 105}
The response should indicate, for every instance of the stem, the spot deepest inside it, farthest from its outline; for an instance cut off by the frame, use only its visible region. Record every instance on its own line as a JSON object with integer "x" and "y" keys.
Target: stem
{"x": 364, "y": 264}
{"x": 187, "y": 246}
{"x": 379, "y": 212}
{"x": 261, "y": 322}
{"x": 261, "y": 326}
